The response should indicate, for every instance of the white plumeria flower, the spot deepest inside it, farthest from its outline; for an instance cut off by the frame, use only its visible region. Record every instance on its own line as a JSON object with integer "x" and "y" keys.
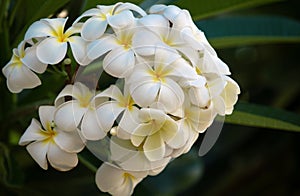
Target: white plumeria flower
{"x": 120, "y": 60}
{"x": 198, "y": 91}
{"x": 109, "y": 111}
{"x": 223, "y": 91}
{"x": 156, "y": 131}
{"x": 116, "y": 181}
{"x": 157, "y": 30}
{"x": 47, "y": 142}
{"x": 80, "y": 109}
{"x": 132, "y": 158}
{"x": 19, "y": 70}
{"x": 156, "y": 80}
{"x": 53, "y": 48}
{"x": 116, "y": 16}
{"x": 195, "y": 120}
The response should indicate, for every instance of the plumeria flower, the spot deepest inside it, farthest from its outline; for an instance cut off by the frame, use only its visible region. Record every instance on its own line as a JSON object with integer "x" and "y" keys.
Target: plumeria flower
{"x": 109, "y": 111}
{"x": 157, "y": 30}
{"x": 80, "y": 109}
{"x": 120, "y": 59}
{"x": 129, "y": 157}
{"x": 156, "y": 80}
{"x": 19, "y": 70}
{"x": 53, "y": 48}
{"x": 116, "y": 181}
{"x": 47, "y": 142}
{"x": 223, "y": 92}
{"x": 155, "y": 131}
{"x": 195, "y": 120}
{"x": 116, "y": 16}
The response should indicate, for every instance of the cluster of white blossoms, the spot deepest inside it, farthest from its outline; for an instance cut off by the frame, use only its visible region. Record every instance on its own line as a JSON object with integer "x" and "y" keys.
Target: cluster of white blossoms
{"x": 173, "y": 85}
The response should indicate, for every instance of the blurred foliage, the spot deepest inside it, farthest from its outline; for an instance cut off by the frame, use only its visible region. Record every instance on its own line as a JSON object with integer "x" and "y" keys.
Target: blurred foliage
{"x": 258, "y": 39}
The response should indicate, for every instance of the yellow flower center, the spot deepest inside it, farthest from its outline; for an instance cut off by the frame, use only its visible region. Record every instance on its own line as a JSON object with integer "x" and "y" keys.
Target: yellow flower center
{"x": 49, "y": 133}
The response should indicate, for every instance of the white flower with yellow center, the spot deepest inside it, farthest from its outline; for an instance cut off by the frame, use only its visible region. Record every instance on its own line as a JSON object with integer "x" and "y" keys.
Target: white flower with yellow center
{"x": 53, "y": 48}
{"x": 120, "y": 59}
{"x": 19, "y": 70}
{"x": 47, "y": 142}
{"x": 155, "y": 131}
{"x": 80, "y": 109}
{"x": 116, "y": 181}
{"x": 129, "y": 157}
{"x": 156, "y": 81}
{"x": 117, "y": 16}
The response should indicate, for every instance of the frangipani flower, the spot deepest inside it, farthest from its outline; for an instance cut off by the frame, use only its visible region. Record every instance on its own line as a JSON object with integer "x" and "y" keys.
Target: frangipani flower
{"x": 53, "y": 48}
{"x": 81, "y": 109}
{"x": 116, "y": 181}
{"x": 117, "y": 16}
{"x": 155, "y": 131}
{"x": 120, "y": 59}
{"x": 109, "y": 111}
{"x": 157, "y": 29}
{"x": 19, "y": 70}
{"x": 47, "y": 142}
{"x": 155, "y": 80}
{"x": 131, "y": 158}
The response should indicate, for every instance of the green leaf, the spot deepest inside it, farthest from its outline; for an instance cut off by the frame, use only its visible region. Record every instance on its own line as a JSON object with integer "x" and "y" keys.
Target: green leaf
{"x": 45, "y": 9}
{"x": 241, "y": 30}
{"x": 202, "y": 8}
{"x": 10, "y": 172}
{"x": 262, "y": 116}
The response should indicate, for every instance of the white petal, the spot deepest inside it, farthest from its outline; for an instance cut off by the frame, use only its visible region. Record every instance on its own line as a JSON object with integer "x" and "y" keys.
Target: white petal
{"x": 219, "y": 105}
{"x": 67, "y": 91}
{"x": 51, "y": 51}
{"x": 144, "y": 42}
{"x": 145, "y": 92}
{"x": 61, "y": 160}
{"x": 101, "y": 46}
{"x": 188, "y": 36}
{"x": 128, "y": 123}
{"x": 107, "y": 114}
{"x": 171, "y": 96}
{"x": 230, "y": 94}
{"x": 93, "y": 28}
{"x": 38, "y": 151}
{"x": 171, "y": 12}
{"x": 109, "y": 177}
{"x": 32, "y": 133}
{"x": 176, "y": 137}
{"x": 38, "y": 29}
{"x": 57, "y": 24}
{"x": 90, "y": 12}
{"x": 130, "y": 6}
{"x": 30, "y": 60}
{"x": 154, "y": 147}
{"x": 164, "y": 56}
{"x": 46, "y": 114}
{"x": 79, "y": 49}
{"x": 155, "y": 23}
{"x": 157, "y": 9}
{"x": 216, "y": 85}
{"x": 112, "y": 92}
{"x": 20, "y": 77}
{"x": 69, "y": 141}
{"x": 119, "y": 62}
{"x": 121, "y": 20}
{"x": 68, "y": 115}
{"x": 183, "y": 69}
{"x": 90, "y": 127}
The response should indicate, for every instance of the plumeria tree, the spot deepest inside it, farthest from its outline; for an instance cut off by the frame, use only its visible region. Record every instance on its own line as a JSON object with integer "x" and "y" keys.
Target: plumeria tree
{"x": 127, "y": 90}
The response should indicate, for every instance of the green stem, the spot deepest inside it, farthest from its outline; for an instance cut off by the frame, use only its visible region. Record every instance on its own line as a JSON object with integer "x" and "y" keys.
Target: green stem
{"x": 85, "y": 162}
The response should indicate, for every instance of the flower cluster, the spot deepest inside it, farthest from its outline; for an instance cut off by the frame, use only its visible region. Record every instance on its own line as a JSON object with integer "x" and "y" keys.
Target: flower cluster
{"x": 170, "y": 86}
